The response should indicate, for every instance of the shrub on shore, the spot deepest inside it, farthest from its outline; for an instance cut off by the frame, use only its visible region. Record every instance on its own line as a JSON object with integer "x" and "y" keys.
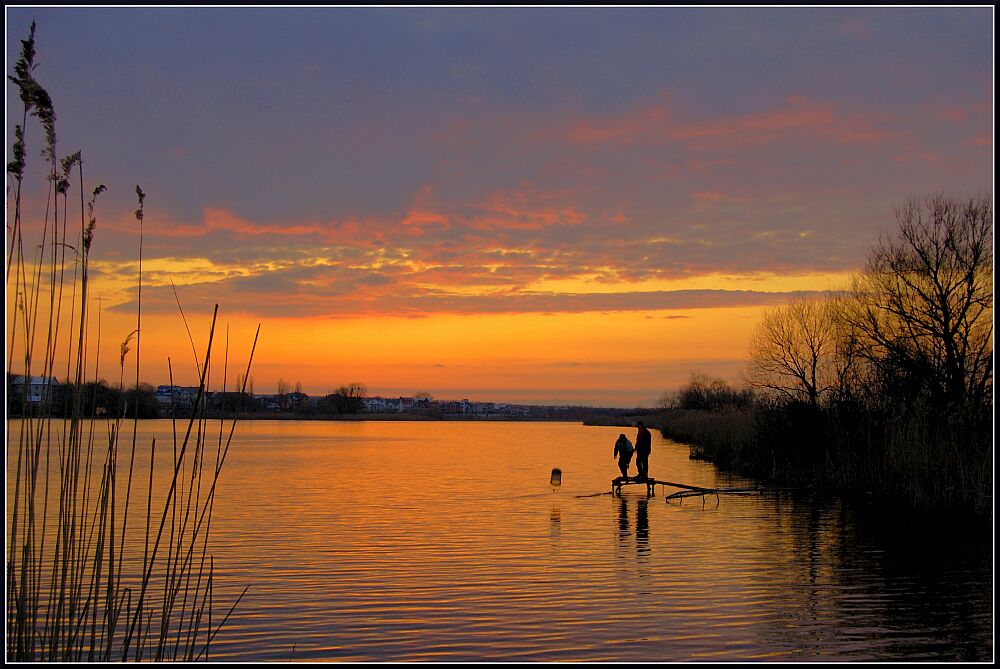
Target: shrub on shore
{"x": 885, "y": 387}
{"x": 916, "y": 456}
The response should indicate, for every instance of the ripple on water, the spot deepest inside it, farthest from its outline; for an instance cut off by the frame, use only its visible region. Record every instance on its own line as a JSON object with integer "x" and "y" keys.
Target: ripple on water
{"x": 443, "y": 541}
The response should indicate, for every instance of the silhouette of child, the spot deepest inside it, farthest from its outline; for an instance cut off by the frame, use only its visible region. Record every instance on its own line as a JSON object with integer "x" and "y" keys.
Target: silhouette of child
{"x": 623, "y": 451}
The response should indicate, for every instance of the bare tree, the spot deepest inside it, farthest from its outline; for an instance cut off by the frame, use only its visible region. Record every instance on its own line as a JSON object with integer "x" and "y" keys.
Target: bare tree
{"x": 355, "y": 390}
{"x": 924, "y": 304}
{"x": 347, "y": 399}
{"x": 706, "y": 393}
{"x": 670, "y": 399}
{"x": 282, "y": 393}
{"x": 800, "y": 353}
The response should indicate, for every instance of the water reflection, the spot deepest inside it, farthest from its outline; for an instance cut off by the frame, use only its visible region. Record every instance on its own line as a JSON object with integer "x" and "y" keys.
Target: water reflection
{"x": 642, "y": 544}
{"x": 444, "y": 566}
{"x": 891, "y": 583}
{"x": 555, "y": 521}
{"x": 624, "y": 529}
{"x": 642, "y": 526}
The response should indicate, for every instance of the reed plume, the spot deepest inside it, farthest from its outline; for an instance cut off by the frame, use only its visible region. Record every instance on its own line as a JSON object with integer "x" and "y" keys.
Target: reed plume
{"x": 83, "y": 583}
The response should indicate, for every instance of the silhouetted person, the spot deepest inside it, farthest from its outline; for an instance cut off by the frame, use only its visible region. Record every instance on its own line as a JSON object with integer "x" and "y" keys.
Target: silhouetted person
{"x": 643, "y": 445}
{"x": 623, "y": 451}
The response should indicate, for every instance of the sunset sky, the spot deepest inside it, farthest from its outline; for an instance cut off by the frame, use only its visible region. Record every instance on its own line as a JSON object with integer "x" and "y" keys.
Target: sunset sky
{"x": 523, "y": 205}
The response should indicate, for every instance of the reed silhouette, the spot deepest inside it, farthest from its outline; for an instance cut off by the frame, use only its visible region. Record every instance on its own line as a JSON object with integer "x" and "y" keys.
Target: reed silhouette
{"x": 85, "y": 580}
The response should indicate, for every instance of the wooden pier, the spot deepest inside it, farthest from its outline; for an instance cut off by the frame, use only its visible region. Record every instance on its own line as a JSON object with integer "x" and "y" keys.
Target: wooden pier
{"x": 684, "y": 490}
{"x": 616, "y": 484}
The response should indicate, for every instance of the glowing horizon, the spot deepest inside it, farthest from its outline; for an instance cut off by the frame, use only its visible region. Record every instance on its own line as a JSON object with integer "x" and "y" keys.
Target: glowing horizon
{"x": 552, "y": 207}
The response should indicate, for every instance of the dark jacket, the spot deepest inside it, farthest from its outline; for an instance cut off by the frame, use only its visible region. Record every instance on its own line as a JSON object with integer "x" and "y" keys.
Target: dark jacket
{"x": 643, "y": 442}
{"x": 623, "y": 448}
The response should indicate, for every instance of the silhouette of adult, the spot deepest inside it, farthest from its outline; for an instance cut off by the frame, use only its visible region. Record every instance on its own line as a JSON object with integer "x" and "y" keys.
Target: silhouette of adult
{"x": 623, "y": 451}
{"x": 642, "y": 526}
{"x": 643, "y": 446}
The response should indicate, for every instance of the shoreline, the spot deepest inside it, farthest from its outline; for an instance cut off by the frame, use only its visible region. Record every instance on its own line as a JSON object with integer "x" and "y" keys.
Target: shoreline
{"x": 823, "y": 458}
{"x": 599, "y": 421}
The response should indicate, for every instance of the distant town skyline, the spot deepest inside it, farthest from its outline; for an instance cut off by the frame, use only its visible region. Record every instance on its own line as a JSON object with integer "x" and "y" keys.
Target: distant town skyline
{"x": 539, "y": 206}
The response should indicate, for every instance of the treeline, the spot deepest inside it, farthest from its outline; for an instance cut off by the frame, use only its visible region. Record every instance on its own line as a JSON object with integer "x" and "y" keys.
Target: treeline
{"x": 95, "y": 398}
{"x": 344, "y": 401}
{"x": 885, "y": 387}
{"x": 98, "y": 398}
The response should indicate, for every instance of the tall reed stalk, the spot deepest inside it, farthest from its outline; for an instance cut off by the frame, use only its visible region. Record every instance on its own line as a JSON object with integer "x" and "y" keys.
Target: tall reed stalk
{"x": 83, "y": 582}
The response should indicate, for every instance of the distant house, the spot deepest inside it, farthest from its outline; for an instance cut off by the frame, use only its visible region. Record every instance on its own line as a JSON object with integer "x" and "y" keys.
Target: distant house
{"x": 179, "y": 397}
{"x": 35, "y": 389}
{"x": 297, "y": 400}
{"x": 230, "y": 401}
{"x": 397, "y": 405}
{"x": 267, "y": 403}
{"x": 375, "y": 405}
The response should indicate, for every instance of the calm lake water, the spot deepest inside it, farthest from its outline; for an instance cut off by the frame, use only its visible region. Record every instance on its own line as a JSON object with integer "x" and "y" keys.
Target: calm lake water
{"x": 443, "y": 541}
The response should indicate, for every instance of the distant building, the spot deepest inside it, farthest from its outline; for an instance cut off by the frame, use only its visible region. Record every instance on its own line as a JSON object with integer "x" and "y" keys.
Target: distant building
{"x": 267, "y": 403}
{"x": 396, "y": 405}
{"x": 375, "y": 405}
{"x": 34, "y": 391}
{"x": 179, "y": 397}
{"x": 297, "y": 400}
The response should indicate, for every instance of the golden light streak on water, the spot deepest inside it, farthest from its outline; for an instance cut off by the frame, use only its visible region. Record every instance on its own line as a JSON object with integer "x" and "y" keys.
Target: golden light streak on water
{"x": 443, "y": 541}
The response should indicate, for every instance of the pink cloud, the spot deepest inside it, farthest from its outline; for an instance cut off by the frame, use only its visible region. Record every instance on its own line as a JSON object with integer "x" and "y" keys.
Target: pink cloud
{"x": 220, "y": 219}
{"x": 156, "y": 223}
{"x": 858, "y": 27}
{"x": 522, "y": 210}
{"x": 952, "y": 113}
{"x": 797, "y": 115}
{"x": 216, "y": 221}
{"x": 623, "y": 129}
{"x": 428, "y": 223}
{"x": 506, "y": 209}
{"x": 981, "y": 140}
{"x": 422, "y": 214}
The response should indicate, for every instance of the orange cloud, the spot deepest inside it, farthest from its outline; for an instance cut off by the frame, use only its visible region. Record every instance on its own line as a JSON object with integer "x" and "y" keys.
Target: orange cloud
{"x": 519, "y": 210}
{"x": 220, "y": 219}
{"x": 506, "y": 209}
{"x": 160, "y": 223}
